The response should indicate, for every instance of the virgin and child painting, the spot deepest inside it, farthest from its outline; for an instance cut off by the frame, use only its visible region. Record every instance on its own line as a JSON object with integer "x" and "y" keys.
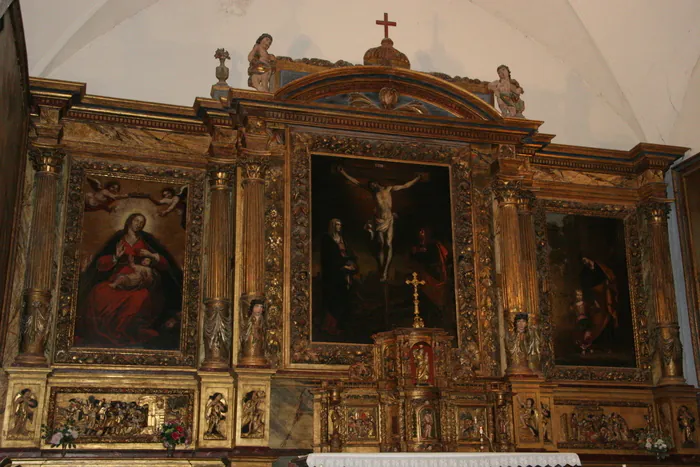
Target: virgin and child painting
{"x": 591, "y": 313}
{"x": 373, "y": 224}
{"x": 132, "y": 254}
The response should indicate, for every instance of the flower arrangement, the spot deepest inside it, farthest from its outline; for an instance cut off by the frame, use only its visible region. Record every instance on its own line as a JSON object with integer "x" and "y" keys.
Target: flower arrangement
{"x": 656, "y": 442}
{"x": 172, "y": 434}
{"x": 63, "y": 436}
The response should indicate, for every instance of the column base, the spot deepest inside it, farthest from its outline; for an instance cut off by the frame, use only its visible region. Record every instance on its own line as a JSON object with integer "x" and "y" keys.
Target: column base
{"x": 31, "y": 360}
{"x": 677, "y": 412}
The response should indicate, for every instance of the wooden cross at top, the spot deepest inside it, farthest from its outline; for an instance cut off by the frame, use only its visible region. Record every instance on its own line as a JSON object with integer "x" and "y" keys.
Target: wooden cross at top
{"x": 386, "y": 23}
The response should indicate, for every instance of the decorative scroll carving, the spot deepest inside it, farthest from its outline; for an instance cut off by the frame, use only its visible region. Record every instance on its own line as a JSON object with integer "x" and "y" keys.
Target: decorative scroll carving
{"x": 638, "y": 296}
{"x": 120, "y": 415}
{"x": 302, "y": 350}
{"x": 64, "y": 350}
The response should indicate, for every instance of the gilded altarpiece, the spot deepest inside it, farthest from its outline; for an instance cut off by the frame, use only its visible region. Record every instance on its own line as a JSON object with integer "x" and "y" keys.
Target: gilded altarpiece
{"x": 224, "y": 192}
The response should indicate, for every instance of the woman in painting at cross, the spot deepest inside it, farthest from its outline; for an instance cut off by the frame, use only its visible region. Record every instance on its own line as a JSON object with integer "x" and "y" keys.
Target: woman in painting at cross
{"x": 338, "y": 266}
{"x": 144, "y": 315}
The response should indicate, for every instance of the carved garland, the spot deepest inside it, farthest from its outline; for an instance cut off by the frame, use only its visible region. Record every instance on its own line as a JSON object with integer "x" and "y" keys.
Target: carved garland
{"x": 638, "y": 297}
{"x": 64, "y": 351}
{"x": 304, "y": 144}
{"x": 274, "y": 259}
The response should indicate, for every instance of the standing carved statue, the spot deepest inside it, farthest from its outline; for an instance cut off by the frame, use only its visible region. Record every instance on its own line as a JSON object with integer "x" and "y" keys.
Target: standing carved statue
{"x": 529, "y": 417}
{"x": 422, "y": 364}
{"x": 523, "y": 348}
{"x": 686, "y": 422}
{"x": 427, "y": 424}
{"x": 260, "y": 68}
{"x": 253, "y": 338}
{"x": 507, "y": 92}
{"x": 23, "y": 405}
{"x": 215, "y": 413}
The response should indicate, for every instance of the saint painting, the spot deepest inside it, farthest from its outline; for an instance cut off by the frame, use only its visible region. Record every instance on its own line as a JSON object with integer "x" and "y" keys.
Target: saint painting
{"x": 374, "y": 223}
{"x": 131, "y": 281}
{"x": 591, "y": 309}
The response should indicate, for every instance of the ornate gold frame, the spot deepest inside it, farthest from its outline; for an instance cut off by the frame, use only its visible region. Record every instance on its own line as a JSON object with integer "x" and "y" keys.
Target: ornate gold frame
{"x": 638, "y": 299}
{"x": 301, "y": 349}
{"x": 690, "y": 267}
{"x": 64, "y": 351}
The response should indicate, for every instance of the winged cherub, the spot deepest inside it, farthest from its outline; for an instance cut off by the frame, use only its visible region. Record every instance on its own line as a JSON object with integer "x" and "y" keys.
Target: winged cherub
{"x": 173, "y": 201}
{"x": 103, "y": 197}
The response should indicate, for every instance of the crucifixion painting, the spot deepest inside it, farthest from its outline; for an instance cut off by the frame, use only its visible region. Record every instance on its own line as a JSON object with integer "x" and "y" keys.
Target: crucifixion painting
{"x": 374, "y": 223}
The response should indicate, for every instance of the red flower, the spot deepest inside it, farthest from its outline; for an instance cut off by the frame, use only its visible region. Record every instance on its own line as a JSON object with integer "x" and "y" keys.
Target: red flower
{"x": 180, "y": 429}
{"x": 175, "y": 435}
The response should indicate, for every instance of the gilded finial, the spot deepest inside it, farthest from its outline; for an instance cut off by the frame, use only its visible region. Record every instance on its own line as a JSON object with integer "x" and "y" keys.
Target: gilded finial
{"x": 417, "y": 320}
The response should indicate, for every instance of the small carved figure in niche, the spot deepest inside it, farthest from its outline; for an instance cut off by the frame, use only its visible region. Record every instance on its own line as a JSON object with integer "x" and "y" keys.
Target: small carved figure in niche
{"x": 222, "y": 70}
{"x": 23, "y": 405}
{"x": 507, "y": 92}
{"x": 261, "y": 61}
{"x": 215, "y": 414}
{"x": 252, "y": 418}
{"x": 253, "y": 338}
{"x": 524, "y": 344}
{"x": 468, "y": 428}
{"x": 546, "y": 422}
{"x": 336, "y": 418}
{"x": 427, "y": 424}
{"x": 104, "y": 197}
{"x": 421, "y": 360}
{"x": 529, "y": 416}
{"x": 686, "y": 422}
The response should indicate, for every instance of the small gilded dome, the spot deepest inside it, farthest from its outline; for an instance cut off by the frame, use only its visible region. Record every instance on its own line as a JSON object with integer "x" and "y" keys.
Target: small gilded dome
{"x": 386, "y": 55}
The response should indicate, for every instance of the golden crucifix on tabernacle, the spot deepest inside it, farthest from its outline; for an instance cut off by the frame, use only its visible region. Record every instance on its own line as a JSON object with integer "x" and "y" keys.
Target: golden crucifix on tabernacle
{"x": 417, "y": 320}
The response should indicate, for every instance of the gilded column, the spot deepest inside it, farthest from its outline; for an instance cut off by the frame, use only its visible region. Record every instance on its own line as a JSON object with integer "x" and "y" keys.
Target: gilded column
{"x": 508, "y": 193}
{"x": 668, "y": 344}
{"x": 528, "y": 246}
{"x": 47, "y": 162}
{"x": 217, "y": 300}
{"x": 253, "y": 165}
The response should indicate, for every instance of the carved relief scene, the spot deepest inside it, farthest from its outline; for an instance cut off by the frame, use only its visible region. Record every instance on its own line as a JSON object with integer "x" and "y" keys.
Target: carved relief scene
{"x": 340, "y": 257}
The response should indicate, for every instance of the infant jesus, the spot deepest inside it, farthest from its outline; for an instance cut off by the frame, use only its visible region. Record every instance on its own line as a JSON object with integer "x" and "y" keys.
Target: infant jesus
{"x": 141, "y": 278}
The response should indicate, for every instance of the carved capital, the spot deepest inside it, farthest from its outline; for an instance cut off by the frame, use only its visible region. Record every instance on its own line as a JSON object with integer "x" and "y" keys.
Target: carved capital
{"x": 217, "y": 333}
{"x": 507, "y": 191}
{"x": 655, "y": 212}
{"x": 254, "y": 168}
{"x": 221, "y": 177}
{"x": 526, "y": 201}
{"x": 48, "y": 160}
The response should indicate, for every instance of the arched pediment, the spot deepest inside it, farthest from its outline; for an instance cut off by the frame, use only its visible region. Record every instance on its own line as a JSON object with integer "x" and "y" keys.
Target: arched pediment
{"x": 401, "y": 90}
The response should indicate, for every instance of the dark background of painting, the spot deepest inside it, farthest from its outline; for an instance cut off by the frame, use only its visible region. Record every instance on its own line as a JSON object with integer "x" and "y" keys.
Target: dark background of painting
{"x": 603, "y": 240}
{"x": 377, "y": 308}
{"x": 100, "y": 226}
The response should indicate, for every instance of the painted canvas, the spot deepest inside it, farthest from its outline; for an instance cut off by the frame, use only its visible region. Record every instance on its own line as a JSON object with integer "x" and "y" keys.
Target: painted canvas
{"x": 131, "y": 259}
{"x": 373, "y": 224}
{"x": 591, "y": 312}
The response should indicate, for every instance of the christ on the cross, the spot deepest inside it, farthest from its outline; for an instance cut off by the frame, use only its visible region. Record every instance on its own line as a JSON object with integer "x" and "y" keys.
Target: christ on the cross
{"x": 381, "y": 228}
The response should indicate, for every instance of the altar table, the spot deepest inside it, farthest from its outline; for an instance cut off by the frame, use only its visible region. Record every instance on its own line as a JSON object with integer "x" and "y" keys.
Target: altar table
{"x": 444, "y": 459}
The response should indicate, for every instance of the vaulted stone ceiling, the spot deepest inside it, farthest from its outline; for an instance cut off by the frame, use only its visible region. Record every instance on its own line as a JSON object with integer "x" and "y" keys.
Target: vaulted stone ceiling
{"x": 606, "y": 73}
